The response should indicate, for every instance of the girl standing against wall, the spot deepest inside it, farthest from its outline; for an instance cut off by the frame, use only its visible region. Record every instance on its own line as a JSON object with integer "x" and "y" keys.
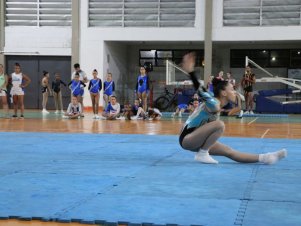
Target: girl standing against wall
{"x": 142, "y": 87}
{"x": 95, "y": 87}
{"x": 19, "y": 82}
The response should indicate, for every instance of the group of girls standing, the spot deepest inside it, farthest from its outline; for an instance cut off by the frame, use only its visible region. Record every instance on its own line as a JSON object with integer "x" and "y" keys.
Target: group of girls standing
{"x": 76, "y": 85}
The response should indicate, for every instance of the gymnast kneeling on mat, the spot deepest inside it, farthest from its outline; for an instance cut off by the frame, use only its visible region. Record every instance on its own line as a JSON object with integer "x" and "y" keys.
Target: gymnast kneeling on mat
{"x": 202, "y": 129}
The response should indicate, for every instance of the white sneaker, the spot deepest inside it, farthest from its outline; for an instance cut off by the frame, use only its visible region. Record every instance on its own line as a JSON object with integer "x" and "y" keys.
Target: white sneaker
{"x": 251, "y": 113}
{"x": 65, "y": 116}
{"x": 96, "y": 116}
{"x": 246, "y": 112}
{"x": 204, "y": 157}
{"x": 44, "y": 111}
{"x": 56, "y": 112}
{"x": 62, "y": 112}
{"x": 173, "y": 115}
{"x": 121, "y": 118}
{"x": 103, "y": 118}
{"x": 240, "y": 114}
{"x": 134, "y": 117}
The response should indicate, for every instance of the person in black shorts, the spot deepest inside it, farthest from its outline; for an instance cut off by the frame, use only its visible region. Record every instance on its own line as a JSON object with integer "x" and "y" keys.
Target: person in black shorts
{"x": 247, "y": 83}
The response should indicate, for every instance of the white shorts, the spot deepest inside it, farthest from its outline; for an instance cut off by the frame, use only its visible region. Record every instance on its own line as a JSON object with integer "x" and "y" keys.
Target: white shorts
{"x": 2, "y": 93}
{"x": 17, "y": 91}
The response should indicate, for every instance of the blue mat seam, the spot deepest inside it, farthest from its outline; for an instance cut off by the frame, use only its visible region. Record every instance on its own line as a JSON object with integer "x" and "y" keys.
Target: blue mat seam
{"x": 246, "y": 197}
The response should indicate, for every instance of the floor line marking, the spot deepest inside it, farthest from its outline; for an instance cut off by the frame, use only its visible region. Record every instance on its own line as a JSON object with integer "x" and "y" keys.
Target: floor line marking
{"x": 252, "y": 121}
{"x": 265, "y": 133}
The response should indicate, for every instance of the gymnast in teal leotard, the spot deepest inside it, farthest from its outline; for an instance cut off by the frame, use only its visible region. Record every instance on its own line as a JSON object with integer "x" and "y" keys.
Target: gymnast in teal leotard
{"x": 203, "y": 128}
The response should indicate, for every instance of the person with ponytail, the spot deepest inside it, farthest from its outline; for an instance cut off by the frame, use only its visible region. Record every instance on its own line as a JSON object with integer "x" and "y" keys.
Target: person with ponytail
{"x": 95, "y": 86}
{"x": 203, "y": 128}
{"x": 45, "y": 91}
{"x": 19, "y": 82}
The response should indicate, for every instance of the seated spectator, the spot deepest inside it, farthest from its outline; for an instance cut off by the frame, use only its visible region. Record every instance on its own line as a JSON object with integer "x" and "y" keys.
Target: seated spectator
{"x": 113, "y": 109}
{"x": 195, "y": 105}
{"x": 209, "y": 84}
{"x": 74, "y": 110}
{"x": 191, "y": 104}
{"x": 126, "y": 112}
{"x": 154, "y": 113}
{"x": 135, "y": 111}
{"x": 220, "y": 76}
{"x": 181, "y": 108}
{"x": 231, "y": 79}
{"x": 232, "y": 109}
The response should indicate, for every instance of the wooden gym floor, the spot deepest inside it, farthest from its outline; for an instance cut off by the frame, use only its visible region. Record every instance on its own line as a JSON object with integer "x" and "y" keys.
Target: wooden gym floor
{"x": 259, "y": 127}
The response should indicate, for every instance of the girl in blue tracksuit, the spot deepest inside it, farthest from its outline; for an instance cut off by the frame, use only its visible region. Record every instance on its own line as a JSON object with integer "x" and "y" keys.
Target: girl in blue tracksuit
{"x": 203, "y": 128}
{"x": 94, "y": 87}
{"x": 142, "y": 87}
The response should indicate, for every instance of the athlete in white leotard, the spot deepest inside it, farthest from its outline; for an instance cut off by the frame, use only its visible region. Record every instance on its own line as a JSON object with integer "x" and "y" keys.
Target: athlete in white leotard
{"x": 19, "y": 82}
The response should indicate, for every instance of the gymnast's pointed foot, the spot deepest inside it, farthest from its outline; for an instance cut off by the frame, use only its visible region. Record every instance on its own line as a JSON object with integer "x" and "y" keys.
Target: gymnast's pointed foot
{"x": 272, "y": 157}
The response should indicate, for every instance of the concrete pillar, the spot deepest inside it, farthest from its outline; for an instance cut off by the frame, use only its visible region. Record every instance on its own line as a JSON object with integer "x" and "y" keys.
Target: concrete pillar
{"x": 2, "y": 32}
{"x": 75, "y": 32}
{"x": 208, "y": 40}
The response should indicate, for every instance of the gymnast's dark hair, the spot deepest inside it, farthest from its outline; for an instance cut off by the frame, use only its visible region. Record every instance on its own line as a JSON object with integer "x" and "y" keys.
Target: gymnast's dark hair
{"x": 218, "y": 86}
{"x": 45, "y": 73}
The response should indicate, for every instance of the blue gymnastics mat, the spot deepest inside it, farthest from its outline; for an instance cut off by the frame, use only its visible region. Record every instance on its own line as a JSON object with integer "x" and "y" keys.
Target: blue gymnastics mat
{"x": 144, "y": 180}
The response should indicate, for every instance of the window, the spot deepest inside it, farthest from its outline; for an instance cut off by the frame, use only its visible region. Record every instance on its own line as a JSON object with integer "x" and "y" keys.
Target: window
{"x": 295, "y": 58}
{"x": 266, "y": 57}
{"x": 159, "y": 57}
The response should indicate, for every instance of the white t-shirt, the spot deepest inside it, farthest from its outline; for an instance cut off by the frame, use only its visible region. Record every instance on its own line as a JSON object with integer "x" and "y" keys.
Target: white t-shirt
{"x": 74, "y": 109}
{"x": 82, "y": 75}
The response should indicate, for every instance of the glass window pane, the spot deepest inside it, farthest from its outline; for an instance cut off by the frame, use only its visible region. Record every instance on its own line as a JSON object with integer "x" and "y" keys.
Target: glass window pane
{"x": 237, "y": 62}
{"x": 142, "y": 61}
{"x": 279, "y": 62}
{"x": 164, "y": 54}
{"x": 239, "y": 53}
{"x": 148, "y": 53}
{"x": 161, "y": 62}
{"x": 296, "y": 53}
{"x": 296, "y": 63}
{"x": 259, "y": 54}
{"x": 178, "y": 61}
{"x": 280, "y": 53}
